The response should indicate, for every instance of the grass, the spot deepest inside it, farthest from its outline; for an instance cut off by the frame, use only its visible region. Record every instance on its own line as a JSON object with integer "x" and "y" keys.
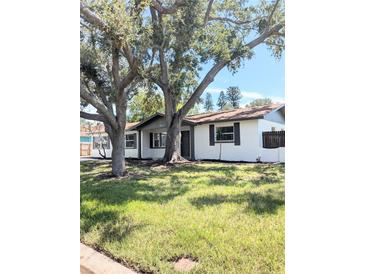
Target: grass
{"x": 228, "y": 217}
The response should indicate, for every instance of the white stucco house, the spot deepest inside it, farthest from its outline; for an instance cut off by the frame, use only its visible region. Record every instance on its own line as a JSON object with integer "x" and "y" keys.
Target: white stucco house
{"x": 245, "y": 134}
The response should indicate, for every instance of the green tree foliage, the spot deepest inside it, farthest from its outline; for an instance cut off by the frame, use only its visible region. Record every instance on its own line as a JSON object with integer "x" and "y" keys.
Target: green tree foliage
{"x": 143, "y": 104}
{"x": 222, "y": 100}
{"x": 208, "y": 103}
{"x": 260, "y": 102}
{"x": 170, "y": 41}
{"x": 234, "y": 96}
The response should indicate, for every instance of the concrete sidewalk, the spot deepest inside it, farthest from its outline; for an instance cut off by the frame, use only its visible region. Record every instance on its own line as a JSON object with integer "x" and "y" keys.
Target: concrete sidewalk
{"x": 93, "y": 262}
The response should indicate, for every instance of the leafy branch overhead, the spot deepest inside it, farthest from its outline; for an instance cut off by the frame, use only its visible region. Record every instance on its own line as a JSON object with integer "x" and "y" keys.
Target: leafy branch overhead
{"x": 165, "y": 44}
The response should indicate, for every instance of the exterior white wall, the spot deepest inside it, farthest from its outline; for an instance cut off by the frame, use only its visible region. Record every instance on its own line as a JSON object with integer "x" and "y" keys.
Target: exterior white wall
{"x": 248, "y": 150}
{"x": 153, "y": 153}
{"x": 129, "y": 152}
{"x": 132, "y": 152}
{"x": 272, "y": 154}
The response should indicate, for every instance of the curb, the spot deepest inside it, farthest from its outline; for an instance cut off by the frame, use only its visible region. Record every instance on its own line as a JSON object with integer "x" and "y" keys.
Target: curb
{"x": 93, "y": 262}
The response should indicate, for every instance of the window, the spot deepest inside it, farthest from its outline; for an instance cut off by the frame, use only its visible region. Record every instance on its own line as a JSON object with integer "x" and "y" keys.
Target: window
{"x": 159, "y": 140}
{"x": 163, "y": 140}
{"x": 130, "y": 141}
{"x": 224, "y": 134}
{"x": 101, "y": 142}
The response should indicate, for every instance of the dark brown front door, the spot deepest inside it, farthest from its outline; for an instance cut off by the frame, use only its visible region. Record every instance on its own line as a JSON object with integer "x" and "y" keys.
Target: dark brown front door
{"x": 185, "y": 144}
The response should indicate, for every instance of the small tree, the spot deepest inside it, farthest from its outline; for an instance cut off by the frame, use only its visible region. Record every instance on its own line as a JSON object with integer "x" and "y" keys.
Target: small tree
{"x": 208, "y": 103}
{"x": 234, "y": 96}
{"x": 260, "y": 102}
{"x": 94, "y": 130}
{"x": 222, "y": 100}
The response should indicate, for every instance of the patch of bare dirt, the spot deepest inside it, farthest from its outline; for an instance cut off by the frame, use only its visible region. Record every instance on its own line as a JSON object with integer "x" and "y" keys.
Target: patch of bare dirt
{"x": 184, "y": 264}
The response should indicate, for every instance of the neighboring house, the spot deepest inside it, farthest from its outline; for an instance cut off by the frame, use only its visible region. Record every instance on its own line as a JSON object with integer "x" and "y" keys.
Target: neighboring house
{"x": 85, "y": 142}
{"x": 245, "y": 134}
{"x": 101, "y": 142}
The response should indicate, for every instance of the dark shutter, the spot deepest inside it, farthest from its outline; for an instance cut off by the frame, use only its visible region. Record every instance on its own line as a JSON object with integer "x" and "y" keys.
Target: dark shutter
{"x": 237, "y": 135}
{"x": 211, "y": 135}
{"x": 135, "y": 140}
{"x": 151, "y": 140}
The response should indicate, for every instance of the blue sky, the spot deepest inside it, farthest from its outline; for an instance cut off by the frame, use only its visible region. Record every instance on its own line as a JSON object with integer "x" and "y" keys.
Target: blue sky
{"x": 260, "y": 77}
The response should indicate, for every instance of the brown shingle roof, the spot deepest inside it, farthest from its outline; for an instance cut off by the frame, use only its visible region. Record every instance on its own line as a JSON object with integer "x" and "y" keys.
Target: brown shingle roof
{"x": 99, "y": 128}
{"x": 246, "y": 113}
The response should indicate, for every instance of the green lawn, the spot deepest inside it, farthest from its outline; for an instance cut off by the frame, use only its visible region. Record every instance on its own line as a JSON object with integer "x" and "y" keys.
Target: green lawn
{"x": 228, "y": 217}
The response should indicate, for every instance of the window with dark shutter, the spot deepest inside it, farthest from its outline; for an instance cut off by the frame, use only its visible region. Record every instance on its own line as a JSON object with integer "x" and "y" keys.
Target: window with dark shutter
{"x": 158, "y": 140}
{"x": 211, "y": 135}
{"x": 224, "y": 134}
{"x": 151, "y": 140}
{"x": 237, "y": 134}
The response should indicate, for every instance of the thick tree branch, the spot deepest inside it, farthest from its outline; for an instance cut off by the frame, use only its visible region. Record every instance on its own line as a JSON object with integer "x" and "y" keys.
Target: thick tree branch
{"x": 93, "y": 116}
{"x": 237, "y": 22}
{"x": 209, "y": 77}
{"x": 167, "y": 10}
{"x": 128, "y": 79}
{"x": 163, "y": 64}
{"x": 116, "y": 67}
{"x": 269, "y": 19}
{"x": 128, "y": 55}
{"x": 209, "y": 8}
{"x": 265, "y": 35}
{"x": 91, "y": 99}
{"x": 99, "y": 90}
{"x": 272, "y": 12}
{"x": 92, "y": 18}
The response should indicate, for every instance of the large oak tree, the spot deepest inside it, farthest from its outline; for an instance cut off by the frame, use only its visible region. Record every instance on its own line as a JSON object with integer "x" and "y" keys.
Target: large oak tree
{"x": 189, "y": 34}
{"x": 108, "y": 68}
{"x": 168, "y": 43}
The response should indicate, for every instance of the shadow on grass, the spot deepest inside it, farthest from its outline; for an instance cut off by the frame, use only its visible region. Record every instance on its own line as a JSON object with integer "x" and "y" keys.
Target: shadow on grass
{"x": 109, "y": 225}
{"x": 121, "y": 191}
{"x": 255, "y": 202}
{"x": 89, "y": 166}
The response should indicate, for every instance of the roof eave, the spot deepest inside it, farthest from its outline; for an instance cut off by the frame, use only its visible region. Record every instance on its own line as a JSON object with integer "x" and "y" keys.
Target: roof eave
{"x": 231, "y": 120}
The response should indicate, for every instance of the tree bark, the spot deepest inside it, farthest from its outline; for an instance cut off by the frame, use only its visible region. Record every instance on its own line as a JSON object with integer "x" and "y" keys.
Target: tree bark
{"x": 118, "y": 158}
{"x": 173, "y": 138}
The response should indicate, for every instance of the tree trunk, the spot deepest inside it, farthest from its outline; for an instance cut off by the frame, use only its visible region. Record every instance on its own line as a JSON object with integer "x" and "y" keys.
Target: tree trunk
{"x": 118, "y": 157}
{"x": 172, "y": 150}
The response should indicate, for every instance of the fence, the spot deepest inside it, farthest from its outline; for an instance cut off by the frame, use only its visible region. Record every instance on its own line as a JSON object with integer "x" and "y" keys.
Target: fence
{"x": 85, "y": 149}
{"x": 273, "y": 139}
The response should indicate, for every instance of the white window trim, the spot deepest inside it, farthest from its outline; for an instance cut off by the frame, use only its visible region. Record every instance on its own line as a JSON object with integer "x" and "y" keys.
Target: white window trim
{"x": 225, "y": 133}
{"x": 134, "y": 141}
{"x": 158, "y": 134}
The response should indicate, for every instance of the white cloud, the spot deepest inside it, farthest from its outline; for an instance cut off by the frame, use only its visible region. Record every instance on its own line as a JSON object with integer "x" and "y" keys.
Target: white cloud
{"x": 278, "y": 99}
{"x": 214, "y": 90}
{"x": 252, "y": 95}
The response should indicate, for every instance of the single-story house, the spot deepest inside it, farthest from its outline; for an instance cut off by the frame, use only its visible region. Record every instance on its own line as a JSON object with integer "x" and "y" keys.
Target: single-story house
{"x": 248, "y": 134}
{"x": 85, "y": 141}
